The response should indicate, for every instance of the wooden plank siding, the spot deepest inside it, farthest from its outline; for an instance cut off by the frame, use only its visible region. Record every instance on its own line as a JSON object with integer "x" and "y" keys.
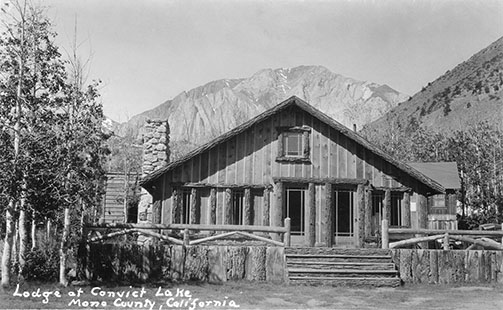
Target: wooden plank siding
{"x": 249, "y": 159}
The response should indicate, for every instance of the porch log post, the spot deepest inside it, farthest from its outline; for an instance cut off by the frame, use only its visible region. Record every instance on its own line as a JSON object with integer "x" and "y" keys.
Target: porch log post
{"x": 328, "y": 215}
{"x": 266, "y": 210}
{"x": 386, "y": 206}
{"x": 228, "y": 206}
{"x": 311, "y": 216}
{"x": 406, "y": 210}
{"x": 213, "y": 206}
{"x": 277, "y": 212}
{"x": 368, "y": 212}
{"x": 175, "y": 209}
{"x": 451, "y": 202}
{"x": 422, "y": 216}
{"x": 247, "y": 207}
{"x": 360, "y": 229}
{"x": 194, "y": 203}
{"x": 156, "y": 212}
{"x": 422, "y": 208}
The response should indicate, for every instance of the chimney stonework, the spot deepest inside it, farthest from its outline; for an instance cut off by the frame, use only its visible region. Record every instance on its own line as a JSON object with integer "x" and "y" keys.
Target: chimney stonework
{"x": 155, "y": 146}
{"x": 155, "y": 155}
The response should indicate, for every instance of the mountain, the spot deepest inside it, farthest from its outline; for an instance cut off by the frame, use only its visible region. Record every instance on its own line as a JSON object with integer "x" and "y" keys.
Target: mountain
{"x": 209, "y": 110}
{"x": 469, "y": 93}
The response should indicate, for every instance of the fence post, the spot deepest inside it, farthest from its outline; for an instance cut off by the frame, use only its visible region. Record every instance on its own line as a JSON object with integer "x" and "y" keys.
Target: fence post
{"x": 186, "y": 239}
{"x": 385, "y": 234}
{"x": 286, "y": 236}
{"x": 446, "y": 241}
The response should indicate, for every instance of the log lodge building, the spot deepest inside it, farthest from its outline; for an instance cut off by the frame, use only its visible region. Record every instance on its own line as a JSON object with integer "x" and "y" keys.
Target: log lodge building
{"x": 291, "y": 161}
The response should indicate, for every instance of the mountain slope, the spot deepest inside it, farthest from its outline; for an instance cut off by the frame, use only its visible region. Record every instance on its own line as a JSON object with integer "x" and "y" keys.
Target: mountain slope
{"x": 209, "y": 110}
{"x": 469, "y": 93}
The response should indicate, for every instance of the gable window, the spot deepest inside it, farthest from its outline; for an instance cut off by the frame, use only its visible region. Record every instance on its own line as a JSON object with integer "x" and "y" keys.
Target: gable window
{"x": 293, "y": 143}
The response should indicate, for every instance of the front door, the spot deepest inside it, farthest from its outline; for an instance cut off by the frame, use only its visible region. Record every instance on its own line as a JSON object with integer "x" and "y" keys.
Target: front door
{"x": 344, "y": 217}
{"x": 295, "y": 210}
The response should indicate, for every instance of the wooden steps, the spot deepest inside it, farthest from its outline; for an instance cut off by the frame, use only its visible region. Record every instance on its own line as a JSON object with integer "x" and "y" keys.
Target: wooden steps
{"x": 344, "y": 267}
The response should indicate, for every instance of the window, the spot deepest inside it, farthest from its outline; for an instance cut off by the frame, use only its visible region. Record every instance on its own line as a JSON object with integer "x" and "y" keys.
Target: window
{"x": 293, "y": 143}
{"x": 237, "y": 207}
{"x": 437, "y": 201}
{"x": 395, "y": 210}
{"x": 185, "y": 211}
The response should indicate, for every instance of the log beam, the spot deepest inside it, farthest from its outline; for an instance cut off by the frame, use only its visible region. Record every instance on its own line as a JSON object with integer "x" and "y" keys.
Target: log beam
{"x": 328, "y": 215}
{"x": 406, "y": 210}
{"x": 277, "y": 212}
{"x": 194, "y": 202}
{"x": 368, "y": 212}
{"x": 266, "y": 209}
{"x": 247, "y": 207}
{"x": 228, "y": 206}
{"x": 311, "y": 216}
{"x": 360, "y": 229}
{"x": 176, "y": 207}
{"x": 213, "y": 206}
{"x": 422, "y": 209}
{"x": 386, "y": 206}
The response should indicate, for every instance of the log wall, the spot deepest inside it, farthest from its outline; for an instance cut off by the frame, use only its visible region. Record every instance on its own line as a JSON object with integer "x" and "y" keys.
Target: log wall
{"x": 449, "y": 267}
{"x": 134, "y": 263}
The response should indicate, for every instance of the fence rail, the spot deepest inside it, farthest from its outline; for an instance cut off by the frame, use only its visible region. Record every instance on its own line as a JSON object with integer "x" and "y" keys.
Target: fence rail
{"x": 424, "y": 235}
{"x": 186, "y": 229}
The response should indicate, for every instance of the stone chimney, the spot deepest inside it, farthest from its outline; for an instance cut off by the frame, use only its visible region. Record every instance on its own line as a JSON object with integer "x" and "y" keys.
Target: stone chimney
{"x": 155, "y": 155}
{"x": 155, "y": 146}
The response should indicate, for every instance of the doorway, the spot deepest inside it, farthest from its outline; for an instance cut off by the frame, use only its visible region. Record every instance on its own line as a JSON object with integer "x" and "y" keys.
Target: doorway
{"x": 344, "y": 217}
{"x": 295, "y": 210}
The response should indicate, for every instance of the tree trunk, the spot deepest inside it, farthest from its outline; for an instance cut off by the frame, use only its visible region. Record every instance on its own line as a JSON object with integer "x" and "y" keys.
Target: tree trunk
{"x": 33, "y": 232}
{"x": 63, "y": 256}
{"x": 7, "y": 249}
{"x": 23, "y": 239}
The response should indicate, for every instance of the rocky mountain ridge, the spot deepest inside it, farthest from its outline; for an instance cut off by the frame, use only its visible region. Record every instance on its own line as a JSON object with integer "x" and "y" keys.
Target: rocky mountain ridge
{"x": 209, "y": 110}
{"x": 469, "y": 93}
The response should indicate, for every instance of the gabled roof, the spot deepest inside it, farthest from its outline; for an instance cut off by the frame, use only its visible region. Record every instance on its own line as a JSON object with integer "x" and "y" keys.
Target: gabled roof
{"x": 295, "y": 101}
{"x": 445, "y": 173}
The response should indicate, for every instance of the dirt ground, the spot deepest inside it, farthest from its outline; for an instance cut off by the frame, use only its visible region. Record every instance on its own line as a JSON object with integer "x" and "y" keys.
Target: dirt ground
{"x": 246, "y": 295}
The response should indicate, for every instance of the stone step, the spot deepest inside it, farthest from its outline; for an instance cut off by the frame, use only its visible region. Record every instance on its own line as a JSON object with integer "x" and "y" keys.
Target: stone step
{"x": 339, "y": 265}
{"x": 347, "y": 281}
{"x": 338, "y": 258}
{"x": 309, "y": 272}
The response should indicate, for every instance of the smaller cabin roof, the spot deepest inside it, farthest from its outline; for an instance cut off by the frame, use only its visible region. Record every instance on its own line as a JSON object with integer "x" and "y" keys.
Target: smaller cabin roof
{"x": 445, "y": 173}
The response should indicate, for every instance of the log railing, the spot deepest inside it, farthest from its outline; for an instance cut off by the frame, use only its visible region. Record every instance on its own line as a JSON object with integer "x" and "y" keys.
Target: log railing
{"x": 220, "y": 232}
{"x": 475, "y": 237}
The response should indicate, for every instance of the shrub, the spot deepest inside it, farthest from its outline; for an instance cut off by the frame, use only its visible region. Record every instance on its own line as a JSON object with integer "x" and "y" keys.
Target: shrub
{"x": 42, "y": 264}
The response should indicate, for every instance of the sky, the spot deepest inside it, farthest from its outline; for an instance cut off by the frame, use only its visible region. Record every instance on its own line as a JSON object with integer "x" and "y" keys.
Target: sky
{"x": 149, "y": 51}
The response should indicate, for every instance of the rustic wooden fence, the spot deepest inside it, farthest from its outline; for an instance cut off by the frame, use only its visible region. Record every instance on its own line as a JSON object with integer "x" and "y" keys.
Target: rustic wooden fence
{"x": 409, "y": 237}
{"x": 181, "y": 234}
{"x": 161, "y": 262}
{"x": 449, "y": 266}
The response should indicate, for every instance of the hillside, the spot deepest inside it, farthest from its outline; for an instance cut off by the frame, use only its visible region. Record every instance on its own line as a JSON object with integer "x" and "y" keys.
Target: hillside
{"x": 209, "y": 110}
{"x": 469, "y": 93}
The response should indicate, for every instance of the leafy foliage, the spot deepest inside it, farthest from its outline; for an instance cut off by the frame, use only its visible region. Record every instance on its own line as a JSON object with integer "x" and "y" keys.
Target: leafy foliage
{"x": 478, "y": 151}
{"x": 51, "y": 140}
{"x": 42, "y": 263}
